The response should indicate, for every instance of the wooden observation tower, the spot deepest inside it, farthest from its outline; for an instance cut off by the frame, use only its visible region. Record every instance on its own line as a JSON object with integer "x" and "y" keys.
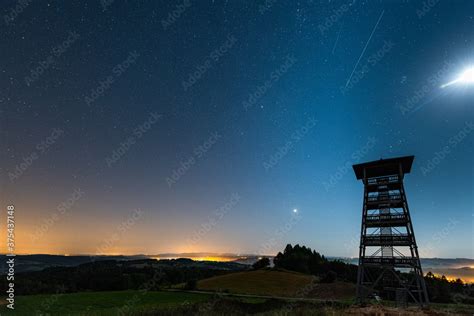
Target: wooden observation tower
{"x": 389, "y": 263}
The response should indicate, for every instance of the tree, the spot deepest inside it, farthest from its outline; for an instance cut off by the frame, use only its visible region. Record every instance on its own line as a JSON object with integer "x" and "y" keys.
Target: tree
{"x": 262, "y": 263}
{"x": 305, "y": 260}
{"x": 301, "y": 259}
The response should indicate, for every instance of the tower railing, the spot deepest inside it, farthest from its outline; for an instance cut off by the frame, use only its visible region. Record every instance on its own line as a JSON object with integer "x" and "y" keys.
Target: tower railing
{"x": 384, "y": 198}
{"x": 383, "y": 180}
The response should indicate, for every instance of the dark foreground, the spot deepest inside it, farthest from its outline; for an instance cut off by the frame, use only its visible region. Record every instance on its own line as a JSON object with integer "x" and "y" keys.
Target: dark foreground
{"x": 185, "y": 303}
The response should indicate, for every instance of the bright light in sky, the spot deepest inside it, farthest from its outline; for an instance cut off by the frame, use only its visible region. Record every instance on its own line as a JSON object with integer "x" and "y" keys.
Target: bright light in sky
{"x": 295, "y": 210}
{"x": 467, "y": 77}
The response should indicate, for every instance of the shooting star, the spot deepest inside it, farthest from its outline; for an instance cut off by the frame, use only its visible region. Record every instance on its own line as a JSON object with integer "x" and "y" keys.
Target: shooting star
{"x": 337, "y": 39}
{"x": 366, "y": 44}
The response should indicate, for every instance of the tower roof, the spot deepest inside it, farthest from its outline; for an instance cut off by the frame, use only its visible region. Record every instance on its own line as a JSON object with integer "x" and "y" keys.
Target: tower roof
{"x": 383, "y": 167}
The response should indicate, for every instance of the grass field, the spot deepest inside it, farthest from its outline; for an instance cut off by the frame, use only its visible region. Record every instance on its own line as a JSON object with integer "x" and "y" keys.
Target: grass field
{"x": 259, "y": 282}
{"x": 278, "y": 283}
{"x": 99, "y": 303}
{"x": 182, "y": 303}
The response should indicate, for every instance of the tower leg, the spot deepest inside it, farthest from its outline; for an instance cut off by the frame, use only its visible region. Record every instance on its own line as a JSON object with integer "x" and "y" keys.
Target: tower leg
{"x": 360, "y": 281}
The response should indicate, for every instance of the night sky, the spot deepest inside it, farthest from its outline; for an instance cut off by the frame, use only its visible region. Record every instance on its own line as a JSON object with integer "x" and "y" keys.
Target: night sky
{"x": 223, "y": 126}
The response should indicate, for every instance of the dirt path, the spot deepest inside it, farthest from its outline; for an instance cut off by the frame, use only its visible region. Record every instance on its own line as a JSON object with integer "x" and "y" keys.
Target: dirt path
{"x": 293, "y": 299}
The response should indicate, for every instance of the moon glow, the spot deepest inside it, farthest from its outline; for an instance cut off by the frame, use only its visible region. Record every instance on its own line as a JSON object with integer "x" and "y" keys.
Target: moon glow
{"x": 467, "y": 77}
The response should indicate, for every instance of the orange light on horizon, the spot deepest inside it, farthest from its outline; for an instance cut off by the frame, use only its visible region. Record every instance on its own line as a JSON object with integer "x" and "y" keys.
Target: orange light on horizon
{"x": 452, "y": 278}
{"x": 205, "y": 258}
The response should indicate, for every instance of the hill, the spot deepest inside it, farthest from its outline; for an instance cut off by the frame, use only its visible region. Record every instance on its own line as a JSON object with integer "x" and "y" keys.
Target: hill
{"x": 278, "y": 283}
{"x": 115, "y": 275}
{"x": 29, "y": 263}
{"x": 39, "y": 262}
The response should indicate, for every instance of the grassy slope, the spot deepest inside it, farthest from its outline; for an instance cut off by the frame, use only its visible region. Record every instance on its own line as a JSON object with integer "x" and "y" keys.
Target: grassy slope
{"x": 260, "y": 282}
{"x": 98, "y": 303}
